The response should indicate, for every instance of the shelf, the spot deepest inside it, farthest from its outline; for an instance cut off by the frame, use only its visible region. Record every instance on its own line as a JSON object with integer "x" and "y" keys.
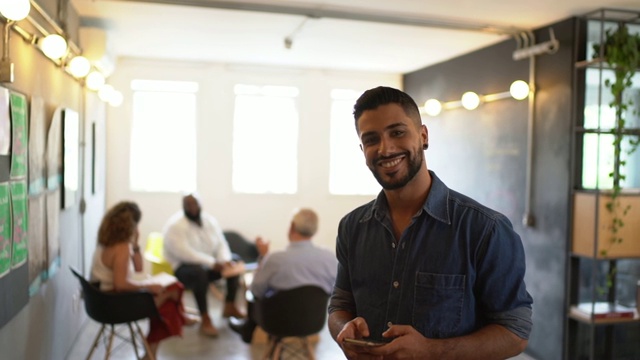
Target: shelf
{"x": 589, "y": 240}
{"x": 625, "y": 131}
{"x": 578, "y": 315}
{"x": 595, "y": 63}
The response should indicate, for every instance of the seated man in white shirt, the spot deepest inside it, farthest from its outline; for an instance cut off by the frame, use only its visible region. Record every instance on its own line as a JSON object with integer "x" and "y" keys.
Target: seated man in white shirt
{"x": 196, "y": 248}
{"x": 302, "y": 263}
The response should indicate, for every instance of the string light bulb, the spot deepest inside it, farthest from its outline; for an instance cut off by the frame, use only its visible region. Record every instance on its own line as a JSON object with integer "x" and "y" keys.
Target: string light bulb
{"x": 94, "y": 80}
{"x": 116, "y": 98}
{"x": 105, "y": 91}
{"x": 519, "y": 90}
{"x": 79, "y": 66}
{"x": 470, "y": 100}
{"x": 15, "y": 10}
{"x": 432, "y": 107}
{"x": 54, "y": 46}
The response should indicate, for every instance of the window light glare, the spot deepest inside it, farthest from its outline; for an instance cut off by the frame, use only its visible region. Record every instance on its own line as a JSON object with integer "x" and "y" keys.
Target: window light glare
{"x": 94, "y": 80}
{"x": 79, "y": 66}
{"x": 470, "y": 100}
{"x": 519, "y": 90}
{"x": 15, "y": 9}
{"x": 432, "y": 107}
{"x": 54, "y": 46}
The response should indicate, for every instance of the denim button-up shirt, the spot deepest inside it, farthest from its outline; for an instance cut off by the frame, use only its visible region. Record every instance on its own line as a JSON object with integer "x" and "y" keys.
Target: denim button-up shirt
{"x": 457, "y": 267}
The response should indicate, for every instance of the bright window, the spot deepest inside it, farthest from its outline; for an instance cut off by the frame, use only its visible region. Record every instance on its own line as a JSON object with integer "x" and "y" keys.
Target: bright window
{"x": 348, "y": 173}
{"x": 597, "y": 144}
{"x": 163, "y": 136}
{"x": 265, "y": 140}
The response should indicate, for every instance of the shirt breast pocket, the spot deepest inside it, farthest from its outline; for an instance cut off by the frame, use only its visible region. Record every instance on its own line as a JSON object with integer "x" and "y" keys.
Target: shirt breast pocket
{"x": 437, "y": 307}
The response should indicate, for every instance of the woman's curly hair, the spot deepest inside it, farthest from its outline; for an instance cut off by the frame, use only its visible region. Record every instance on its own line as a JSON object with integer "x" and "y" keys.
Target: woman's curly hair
{"x": 119, "y": 223}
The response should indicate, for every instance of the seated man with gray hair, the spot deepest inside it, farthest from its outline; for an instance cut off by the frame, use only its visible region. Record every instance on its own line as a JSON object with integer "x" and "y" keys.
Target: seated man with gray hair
{"x": 301, "y": 263}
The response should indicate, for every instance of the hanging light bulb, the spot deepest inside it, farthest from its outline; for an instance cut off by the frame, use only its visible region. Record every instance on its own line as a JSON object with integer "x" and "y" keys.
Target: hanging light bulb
{"x": 79, "y": 66}
{"x": 94, "y": 80}
{"x": 519, "y": 90}
{"x": 15, "y": 9}
{"x": 105, "y": 91}
{"x": 432, "y": 107}
{"x": 54, "y": 46}
{"x": 116, "y": 98}
{"x": 470, "y": 100}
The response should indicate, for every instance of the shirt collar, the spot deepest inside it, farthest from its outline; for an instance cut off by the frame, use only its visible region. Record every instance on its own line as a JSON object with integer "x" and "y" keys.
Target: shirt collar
{"x": 436, "y": 204}
{"x": 299, "y": 243}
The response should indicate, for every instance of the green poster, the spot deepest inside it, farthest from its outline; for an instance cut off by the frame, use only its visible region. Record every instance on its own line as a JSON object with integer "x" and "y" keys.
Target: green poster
{"x": 20, "y": 222}
{"x": 5, "y": 229}
{"x": 18, "y": 104}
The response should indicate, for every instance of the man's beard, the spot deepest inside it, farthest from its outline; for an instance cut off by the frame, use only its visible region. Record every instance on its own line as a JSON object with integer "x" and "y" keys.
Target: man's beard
{"x": 193, "y": 218}
{"x": 415, "y": 163}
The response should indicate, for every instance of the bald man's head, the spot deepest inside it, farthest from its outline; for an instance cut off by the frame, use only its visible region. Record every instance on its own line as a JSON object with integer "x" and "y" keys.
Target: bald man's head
{"x": 305, "y": 222}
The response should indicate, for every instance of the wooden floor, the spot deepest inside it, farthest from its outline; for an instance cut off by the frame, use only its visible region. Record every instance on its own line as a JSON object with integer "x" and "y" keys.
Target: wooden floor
{"x": 192, "y": 345}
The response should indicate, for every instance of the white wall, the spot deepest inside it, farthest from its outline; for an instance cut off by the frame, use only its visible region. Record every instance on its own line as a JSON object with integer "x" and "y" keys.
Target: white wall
{"x": 251, "y": 215}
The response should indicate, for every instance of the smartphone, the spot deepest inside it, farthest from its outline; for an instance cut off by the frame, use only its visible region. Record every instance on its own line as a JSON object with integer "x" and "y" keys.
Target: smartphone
{"x": 363, "y": 342}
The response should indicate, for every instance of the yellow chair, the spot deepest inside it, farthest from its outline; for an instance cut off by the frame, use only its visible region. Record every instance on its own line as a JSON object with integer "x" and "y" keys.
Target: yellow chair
{"x": 154, "y": 254}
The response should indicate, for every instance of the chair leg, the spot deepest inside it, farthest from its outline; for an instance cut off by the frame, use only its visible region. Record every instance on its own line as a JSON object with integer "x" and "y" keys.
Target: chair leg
{"x": 277, "y": 350}
{"x": 272, "y": 346}
{"x": 307, "y": 347}
{"x": 108, "y": 350}
{"x": 95, "y": 342}
{"x": 133, "y": 341}
{"x": 147, "y": 348}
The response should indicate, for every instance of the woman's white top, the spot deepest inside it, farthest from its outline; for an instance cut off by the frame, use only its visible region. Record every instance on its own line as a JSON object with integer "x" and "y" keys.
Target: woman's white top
{"x": 100, "y": 272}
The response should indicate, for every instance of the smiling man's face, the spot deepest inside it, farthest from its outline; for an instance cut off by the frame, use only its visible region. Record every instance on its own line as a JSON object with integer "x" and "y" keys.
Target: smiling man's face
{"x": 392, "y": 144}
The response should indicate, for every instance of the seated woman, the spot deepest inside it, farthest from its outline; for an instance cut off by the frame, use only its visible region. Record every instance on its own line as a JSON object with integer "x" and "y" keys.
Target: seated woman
{"x": 116, "y": 258}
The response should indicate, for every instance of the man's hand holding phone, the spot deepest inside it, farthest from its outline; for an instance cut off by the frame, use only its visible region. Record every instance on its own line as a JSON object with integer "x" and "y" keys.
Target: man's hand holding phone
{"x": 353, "y": 340}
{"x": 363, "y": 342}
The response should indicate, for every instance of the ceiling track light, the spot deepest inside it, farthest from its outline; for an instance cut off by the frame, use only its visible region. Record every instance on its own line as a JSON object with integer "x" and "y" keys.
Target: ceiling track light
{"x": 53, "y": 46}
{"x": 63, "y": 52}
{"x": 518, "y": 90}
{"x": 15, "y": 9}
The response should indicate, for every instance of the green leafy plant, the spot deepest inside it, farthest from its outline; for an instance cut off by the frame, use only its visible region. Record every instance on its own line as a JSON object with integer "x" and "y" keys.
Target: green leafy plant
{"x": 621, "y": 51}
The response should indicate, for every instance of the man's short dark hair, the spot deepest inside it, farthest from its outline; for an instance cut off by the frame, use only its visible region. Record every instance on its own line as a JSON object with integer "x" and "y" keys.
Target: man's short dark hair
{"x": 383, "y": 95}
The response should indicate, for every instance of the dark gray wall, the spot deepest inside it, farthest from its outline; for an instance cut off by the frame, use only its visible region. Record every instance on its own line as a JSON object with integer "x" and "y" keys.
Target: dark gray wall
{"x": 483, "y": 154}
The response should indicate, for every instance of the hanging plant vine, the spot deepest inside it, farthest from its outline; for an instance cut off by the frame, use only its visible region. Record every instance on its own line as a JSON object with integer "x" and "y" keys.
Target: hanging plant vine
{"x": 621, "y": 50}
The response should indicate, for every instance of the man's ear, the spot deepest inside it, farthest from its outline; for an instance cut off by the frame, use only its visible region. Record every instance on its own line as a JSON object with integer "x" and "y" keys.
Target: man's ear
{"x": 425, "y": 137}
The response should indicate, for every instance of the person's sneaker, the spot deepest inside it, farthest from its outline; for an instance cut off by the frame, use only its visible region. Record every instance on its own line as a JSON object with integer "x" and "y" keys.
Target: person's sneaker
{"x": 239, "y": 326}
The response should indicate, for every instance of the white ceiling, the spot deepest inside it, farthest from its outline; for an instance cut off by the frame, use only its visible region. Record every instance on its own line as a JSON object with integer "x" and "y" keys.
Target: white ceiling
{"x": 204, "y": 33}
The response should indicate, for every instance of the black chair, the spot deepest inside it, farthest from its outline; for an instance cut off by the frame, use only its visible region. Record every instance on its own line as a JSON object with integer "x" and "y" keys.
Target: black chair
{"x": 246, "y": 250}
{"x": 299, "y": 313}
{"x": 111, "y": 309}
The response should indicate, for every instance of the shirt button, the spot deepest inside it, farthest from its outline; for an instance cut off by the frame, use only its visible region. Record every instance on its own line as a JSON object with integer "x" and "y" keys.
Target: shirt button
{"x": 389, "y": 324}
{"x": 396, "y": 284}
{"x": 393, "y": 245}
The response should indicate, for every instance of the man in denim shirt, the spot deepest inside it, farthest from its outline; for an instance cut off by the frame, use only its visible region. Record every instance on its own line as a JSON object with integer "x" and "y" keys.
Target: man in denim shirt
{"x": 428, "y": 270}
